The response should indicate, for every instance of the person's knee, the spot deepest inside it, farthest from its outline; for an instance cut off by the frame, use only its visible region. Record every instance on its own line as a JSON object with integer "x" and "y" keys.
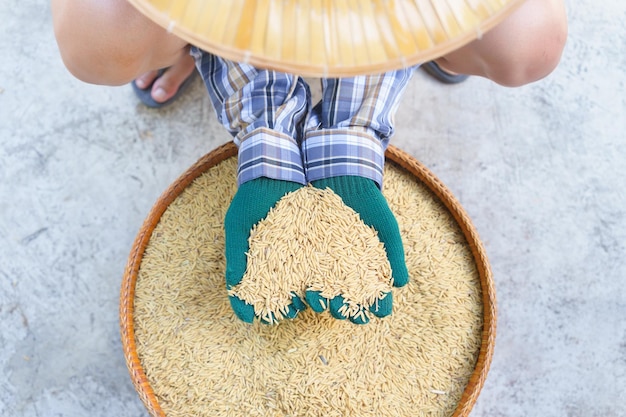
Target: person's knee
{"x": 533, "y": 62}
{"x": 536, "y": 52}
{"x": 96, "y": 64}
{"x": 93, "y": 40}
{"x": 110, "y": 42}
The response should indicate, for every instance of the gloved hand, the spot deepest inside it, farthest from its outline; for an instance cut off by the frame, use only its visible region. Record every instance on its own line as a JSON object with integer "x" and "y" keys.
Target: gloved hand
{"x": 364, "y": 197}
{"x": 251, "y": 203}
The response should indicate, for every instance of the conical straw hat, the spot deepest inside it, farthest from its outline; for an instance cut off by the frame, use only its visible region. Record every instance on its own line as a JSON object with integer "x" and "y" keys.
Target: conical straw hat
{"x": 328, "y": 38}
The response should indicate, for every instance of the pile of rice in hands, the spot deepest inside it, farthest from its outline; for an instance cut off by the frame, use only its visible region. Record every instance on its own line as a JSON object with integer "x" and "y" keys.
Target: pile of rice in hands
{"x": 312, "y": 241}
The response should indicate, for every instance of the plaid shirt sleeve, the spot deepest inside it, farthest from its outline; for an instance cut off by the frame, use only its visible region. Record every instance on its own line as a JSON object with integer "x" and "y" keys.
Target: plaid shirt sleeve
{"x": 265, "y": 112}
{"x": 348, "y": 131}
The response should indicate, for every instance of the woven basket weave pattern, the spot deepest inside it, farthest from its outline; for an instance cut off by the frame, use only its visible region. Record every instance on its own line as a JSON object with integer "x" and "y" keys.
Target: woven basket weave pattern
{"x": 138, "y": 376}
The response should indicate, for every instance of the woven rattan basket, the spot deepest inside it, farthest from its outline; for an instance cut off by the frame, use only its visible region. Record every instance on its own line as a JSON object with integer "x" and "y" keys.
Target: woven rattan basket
{"x": 400, "y": 158}
{"x": 323, "y": 38}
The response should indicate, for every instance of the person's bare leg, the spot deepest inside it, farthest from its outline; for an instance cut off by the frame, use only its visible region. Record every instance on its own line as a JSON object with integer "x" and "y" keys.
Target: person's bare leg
{"x": 167, "y": 85}
{"x": 523, "y": 48}
{"x": 110, "y": 42}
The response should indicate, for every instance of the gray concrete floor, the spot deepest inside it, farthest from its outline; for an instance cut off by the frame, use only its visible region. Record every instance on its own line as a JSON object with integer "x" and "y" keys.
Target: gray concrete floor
{"x": 540, "y": 170}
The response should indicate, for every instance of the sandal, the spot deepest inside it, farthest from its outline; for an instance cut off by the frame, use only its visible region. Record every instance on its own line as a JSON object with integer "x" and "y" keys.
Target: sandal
{"x": 145, "y": 94}
{"x": 434, "y": 70}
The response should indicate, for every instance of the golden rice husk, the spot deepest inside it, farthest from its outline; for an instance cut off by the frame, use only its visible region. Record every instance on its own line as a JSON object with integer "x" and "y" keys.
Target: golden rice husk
{"x": 201, "y": 360}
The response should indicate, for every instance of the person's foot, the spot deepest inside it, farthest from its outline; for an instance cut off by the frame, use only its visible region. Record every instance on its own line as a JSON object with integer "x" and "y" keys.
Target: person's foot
{"x": 158, "y": 88}
{"x": 441, "y": 74}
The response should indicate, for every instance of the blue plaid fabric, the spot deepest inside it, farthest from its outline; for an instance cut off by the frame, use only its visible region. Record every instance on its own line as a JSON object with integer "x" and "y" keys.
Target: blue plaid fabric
{"x": 348, "y": 131}
{"x": 280, "y": 136}
{"x": 265, "y": 112}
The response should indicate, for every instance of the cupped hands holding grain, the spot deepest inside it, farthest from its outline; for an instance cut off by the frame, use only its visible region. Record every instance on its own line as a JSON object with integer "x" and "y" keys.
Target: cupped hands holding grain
{"x": 313, "y": 245}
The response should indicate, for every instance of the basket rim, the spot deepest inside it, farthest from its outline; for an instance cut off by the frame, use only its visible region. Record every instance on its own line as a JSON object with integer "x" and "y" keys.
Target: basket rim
{"x": 393, "y": 154}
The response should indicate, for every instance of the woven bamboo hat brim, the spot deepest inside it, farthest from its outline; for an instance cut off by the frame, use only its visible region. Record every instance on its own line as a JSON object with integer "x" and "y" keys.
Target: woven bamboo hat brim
{"x": 328, "y": 38}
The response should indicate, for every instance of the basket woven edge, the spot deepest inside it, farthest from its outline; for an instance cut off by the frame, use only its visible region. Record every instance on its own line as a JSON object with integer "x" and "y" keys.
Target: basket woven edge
{"x": 483, "y": 363}
{"x": 223, "y": 152}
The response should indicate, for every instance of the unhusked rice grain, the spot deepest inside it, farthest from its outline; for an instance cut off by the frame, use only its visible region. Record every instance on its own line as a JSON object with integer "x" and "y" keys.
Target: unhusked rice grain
{"x": 201, "y": 360}
{"x": 312, "y": 241}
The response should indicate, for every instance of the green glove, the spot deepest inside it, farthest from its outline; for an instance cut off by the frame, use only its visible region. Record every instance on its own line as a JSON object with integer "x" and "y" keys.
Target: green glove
{"x": 251, "y": 203}
{"x": 364, "y": 197}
